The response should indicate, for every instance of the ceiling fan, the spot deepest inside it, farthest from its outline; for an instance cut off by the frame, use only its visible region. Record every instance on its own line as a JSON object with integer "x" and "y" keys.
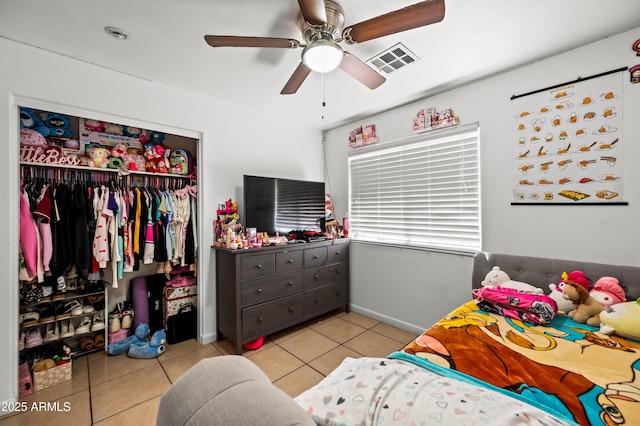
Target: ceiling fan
{"x": 322, "y": 25}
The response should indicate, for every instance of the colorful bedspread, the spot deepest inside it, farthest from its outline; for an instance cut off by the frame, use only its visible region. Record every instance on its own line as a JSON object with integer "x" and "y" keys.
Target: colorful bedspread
{"x": 567, "y": 368}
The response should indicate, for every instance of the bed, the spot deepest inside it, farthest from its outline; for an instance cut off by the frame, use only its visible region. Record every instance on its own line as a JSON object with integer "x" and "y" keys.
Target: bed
{"x": 474, "y": 367}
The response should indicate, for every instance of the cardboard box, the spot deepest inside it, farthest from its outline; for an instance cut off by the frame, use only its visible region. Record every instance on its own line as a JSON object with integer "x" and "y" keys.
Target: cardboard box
{"x": 52, "y": 376}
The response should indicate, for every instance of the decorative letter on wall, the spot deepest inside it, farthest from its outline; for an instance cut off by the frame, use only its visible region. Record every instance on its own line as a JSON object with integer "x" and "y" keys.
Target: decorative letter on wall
{"x": 567, "y": 143}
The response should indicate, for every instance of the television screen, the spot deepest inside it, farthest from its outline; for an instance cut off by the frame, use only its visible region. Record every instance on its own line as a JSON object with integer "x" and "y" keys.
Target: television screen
{"x": 282, "y": 205}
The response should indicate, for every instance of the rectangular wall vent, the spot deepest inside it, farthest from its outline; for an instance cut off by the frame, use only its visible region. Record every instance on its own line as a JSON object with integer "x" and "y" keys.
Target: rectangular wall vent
{"x": 393, "y": 59}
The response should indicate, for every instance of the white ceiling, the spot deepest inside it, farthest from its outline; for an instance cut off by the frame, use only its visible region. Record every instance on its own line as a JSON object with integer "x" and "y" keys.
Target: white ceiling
{"x": 477, "y": 38}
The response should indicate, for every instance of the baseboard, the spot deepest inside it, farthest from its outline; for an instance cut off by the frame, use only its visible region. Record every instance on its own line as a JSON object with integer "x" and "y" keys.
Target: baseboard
{"x": 387, "y": 319}
{"x": 207, "y": 338}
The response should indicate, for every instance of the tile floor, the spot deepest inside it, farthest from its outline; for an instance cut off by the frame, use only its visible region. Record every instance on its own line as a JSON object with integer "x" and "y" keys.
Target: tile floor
{"x": 118, "y": 390}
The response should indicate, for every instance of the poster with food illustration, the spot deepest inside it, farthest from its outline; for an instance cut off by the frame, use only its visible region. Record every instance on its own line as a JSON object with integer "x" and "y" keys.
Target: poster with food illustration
{"x": 567, "y": 143}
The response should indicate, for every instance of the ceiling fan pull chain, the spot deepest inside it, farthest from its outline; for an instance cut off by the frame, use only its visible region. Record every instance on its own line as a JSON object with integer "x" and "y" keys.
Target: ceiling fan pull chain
{"x": 324, "y": 103}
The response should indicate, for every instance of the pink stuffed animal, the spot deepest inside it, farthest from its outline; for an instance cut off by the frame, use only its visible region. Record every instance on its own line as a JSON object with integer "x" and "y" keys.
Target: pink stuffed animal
{"x": 607, "y": 291}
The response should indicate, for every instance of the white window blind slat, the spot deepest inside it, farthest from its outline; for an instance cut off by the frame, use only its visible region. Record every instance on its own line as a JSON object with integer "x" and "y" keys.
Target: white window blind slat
{"x": 425, "y": 192}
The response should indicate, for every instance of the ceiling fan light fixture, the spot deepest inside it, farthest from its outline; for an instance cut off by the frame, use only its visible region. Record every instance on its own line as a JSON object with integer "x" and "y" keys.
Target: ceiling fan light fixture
{"x": 322, "y": 55}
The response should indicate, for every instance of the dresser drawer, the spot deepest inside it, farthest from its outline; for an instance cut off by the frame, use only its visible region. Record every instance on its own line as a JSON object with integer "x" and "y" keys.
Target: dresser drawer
{"x": 288, "y": 261}
{"x": 324, "y": 299}
{"x": 258, "y": 320}
{"x": 261, "y": 265}
{"x": 315, "y": 257}
{"x": 337, "y": 253}
{"x": 323, "y": 275}
{"x": 266, "y": 289}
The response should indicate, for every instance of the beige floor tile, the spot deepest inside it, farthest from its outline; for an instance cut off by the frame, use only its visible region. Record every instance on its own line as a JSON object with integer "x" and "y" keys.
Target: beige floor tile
{"x": 287, "y": 333}
{"x": 227, "y": 347}
{"x": 373, "y": 344}
{"x": 395, "y": 333}
{"x": 175, "y": 350}
{"x": 298, "y": 381}
{"x": 308, "y": 345}
{"x": 359, "y": 319}
{"x": 70, "y": 410}
{"x": 328, "y": 362}
{"x": 176, "y": 367}
{"x": 144, "y": 414}
{"x": 104, "y": 367}
{"x": 339, "y": 330}
{"x": 120, "y": 394}
{"x": 275, "y": 362}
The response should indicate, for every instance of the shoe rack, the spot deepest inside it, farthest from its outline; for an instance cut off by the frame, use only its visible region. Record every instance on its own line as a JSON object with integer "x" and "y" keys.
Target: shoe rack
{"x": 75, "y": 316}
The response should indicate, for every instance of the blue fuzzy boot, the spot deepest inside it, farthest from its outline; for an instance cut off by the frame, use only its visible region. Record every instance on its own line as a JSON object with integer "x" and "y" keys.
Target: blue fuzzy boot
{"x": 122, "y": 346}
{"x": 151, "y": 349}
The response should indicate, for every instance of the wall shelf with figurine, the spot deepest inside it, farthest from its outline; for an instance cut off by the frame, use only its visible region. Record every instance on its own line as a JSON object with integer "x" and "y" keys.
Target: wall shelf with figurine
{"x": 363, "y": 136}
{"x": 429, "y": 119}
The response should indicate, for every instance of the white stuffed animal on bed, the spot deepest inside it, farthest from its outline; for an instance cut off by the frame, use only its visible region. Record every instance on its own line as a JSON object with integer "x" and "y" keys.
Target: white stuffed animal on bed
{"x": 564, "y": 305}
{"x": 498, "y": 278}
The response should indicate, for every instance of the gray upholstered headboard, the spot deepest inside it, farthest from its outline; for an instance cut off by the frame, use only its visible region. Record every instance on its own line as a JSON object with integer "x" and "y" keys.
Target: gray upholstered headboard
{"x": 541, "y": 271}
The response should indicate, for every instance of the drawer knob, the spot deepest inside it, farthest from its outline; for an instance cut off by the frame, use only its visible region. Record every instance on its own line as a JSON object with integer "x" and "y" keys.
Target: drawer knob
{"x": 316, "y": 257}
{"x": 259, "y": 265}
{"x": 290, "y": 261}
{"x": 315, "y": 277}
{"x": 338, "y": 271}
{"x": 290, "y": 309}
{"x": 316, "y": 300}
{"x": 259, "y": 290}
{"x": 338, "y": 252}
{"x": 260, "y": 319}
{"x": 290, "y": 283}
{"x": 337, "y": 293}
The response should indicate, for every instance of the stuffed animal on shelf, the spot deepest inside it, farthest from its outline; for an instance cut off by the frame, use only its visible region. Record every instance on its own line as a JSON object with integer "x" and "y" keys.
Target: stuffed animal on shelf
{"x": 29, "y": 120}
{"x": 622, "y": 319}
{"x": 113, "y": 129}
{"x": 576, "y": 289}
{"x": 132, "y": 132}
{"x": 556, "y": 293}
{"x": 58, "y": 124}
{"x": 98, "y": 157}
{"x": 498, "y": 278}
{"x": 157, "y": 158}
{"x": 29, "y": 137}
{"x": 156, "y": 138}
{"x": 607, "y": 291}
{"x": 93, "y": 125}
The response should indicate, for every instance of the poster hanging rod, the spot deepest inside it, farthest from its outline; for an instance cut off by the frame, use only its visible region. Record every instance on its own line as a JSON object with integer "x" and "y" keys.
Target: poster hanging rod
{"x": 569, "y": 82}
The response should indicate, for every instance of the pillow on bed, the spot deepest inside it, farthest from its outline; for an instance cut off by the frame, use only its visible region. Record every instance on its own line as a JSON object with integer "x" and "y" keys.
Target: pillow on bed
{"x": 388, "y": 391}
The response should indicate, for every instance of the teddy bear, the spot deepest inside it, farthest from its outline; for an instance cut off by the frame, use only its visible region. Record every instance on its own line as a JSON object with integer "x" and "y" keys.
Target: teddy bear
{"x": 498, "y": 278}
{"x": 576, "y": 288}
{"x": 93, "y": 125}
{"x": 98, "y": 157}
{"x": 607, "y": 291}
{"x": 622, "y": 319}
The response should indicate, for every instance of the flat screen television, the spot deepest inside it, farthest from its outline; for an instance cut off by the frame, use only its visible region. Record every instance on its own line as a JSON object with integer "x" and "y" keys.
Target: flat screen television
{"x": 282, "y": 205}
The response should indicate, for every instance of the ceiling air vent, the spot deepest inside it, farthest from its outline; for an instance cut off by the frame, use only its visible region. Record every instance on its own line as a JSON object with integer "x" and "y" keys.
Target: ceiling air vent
{"x": 393, "y": 59}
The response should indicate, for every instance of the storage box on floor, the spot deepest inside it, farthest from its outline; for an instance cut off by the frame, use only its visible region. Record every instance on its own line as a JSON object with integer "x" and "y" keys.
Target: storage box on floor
{"x": 41, "y": 379}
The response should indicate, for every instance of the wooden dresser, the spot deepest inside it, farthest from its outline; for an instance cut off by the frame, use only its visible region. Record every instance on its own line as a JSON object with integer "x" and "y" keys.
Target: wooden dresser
{"x": 262, "y": 291}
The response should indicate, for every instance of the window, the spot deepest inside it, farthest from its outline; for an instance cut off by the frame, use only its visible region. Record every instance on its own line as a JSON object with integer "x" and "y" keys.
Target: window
{"x": 423, "y": 191}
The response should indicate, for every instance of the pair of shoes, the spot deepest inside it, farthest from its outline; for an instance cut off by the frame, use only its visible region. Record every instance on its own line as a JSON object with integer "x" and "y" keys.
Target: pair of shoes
{"x": 115, "y": 316}
{"x": 151, "y": 349}
{"x": 98, "y": 341}
{"x": 29, "y": 318}
{"x": 85, "y": 325}
{"x": 122, "y": 346}
{"x": 98, "y": 321}
{"x": 67, "y": 329}
{"x": 67, "y": 309}
{"x": 21, "y": 340}
{"x": 52, "y": 332}
{"x": 34, "y": 338}
{"x": 87, "y": 344}
{"x": 127, "y": 315}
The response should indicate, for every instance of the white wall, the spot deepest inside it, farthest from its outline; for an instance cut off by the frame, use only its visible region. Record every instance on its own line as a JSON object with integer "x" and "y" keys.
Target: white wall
{"x": 228, "y": 149}
{"x": 410, "y": 287}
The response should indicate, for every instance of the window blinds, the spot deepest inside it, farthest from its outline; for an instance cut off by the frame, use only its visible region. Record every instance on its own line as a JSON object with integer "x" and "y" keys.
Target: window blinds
{"x": 423, "y": 192}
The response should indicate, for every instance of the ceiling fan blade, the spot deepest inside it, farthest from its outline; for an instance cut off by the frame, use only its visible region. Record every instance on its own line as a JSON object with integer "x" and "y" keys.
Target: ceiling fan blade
{"x": 410, "y": 17}
{"x": 296, "y": 80}
{"x": 234, "y": 41}
{"x": 361, "y": 71}
{"x": 313, "y": 11}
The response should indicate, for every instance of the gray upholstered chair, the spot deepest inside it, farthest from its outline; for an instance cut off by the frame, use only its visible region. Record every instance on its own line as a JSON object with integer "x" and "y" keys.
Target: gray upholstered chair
{"x": 228, "y": 390}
